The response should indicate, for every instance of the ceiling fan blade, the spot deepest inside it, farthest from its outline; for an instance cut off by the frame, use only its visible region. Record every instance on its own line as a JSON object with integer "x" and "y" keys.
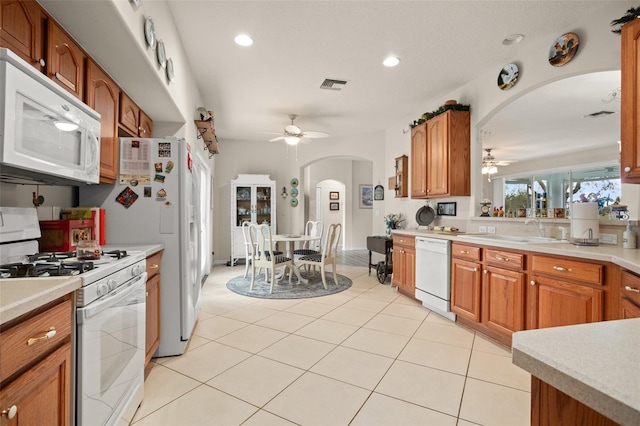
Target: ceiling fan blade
{"x": 315, "y": 135}
{"x": 269, "y": 133}
{"x": 279, "y": 138}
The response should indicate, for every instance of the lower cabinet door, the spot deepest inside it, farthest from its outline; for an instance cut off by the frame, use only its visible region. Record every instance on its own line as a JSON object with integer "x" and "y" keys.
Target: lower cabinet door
{"x": 503, "y": 300}
{"x": 152, "y": 339}
{"x": 42, "y": 395}
{"x": 561, "y": 303}
{"x": 466, "y": 280}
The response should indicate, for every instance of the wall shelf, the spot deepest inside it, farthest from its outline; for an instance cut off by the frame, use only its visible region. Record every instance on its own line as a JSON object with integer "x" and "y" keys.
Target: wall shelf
{"x": 208, "y": 135}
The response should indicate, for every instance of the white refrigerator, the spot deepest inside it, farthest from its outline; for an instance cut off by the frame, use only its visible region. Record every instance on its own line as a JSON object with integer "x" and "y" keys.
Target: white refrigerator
{"x": 163, "y": 195}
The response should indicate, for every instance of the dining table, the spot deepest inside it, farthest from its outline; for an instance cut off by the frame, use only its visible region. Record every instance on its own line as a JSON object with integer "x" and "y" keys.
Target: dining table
{"x": 291, "y": 240}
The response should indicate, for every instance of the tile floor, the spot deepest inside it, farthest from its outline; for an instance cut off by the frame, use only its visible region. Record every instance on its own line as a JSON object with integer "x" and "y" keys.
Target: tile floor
{"x": 366, "y": 356}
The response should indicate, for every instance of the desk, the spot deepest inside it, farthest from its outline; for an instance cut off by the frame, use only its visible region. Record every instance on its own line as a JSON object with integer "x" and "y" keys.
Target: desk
{"x": 291, "y": 240}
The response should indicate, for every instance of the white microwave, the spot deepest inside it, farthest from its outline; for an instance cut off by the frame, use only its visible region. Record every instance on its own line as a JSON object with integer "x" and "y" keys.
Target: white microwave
{"x": 47, "y": 135}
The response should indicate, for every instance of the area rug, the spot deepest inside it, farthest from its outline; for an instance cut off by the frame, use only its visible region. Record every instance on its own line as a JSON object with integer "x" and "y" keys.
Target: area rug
{"x": 283, "y": 290}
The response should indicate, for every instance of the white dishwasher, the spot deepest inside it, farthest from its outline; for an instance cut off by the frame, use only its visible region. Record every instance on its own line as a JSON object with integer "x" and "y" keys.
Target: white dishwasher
{"x": 433, "y": 277}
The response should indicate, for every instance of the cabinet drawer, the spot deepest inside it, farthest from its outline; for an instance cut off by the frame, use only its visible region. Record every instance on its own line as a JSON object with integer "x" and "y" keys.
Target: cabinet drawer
{"x": 463, "y": 251}
{"x": 404, "y": 240}
{"x": 630, "y": 287}
{"x": 584, "y": 272}
{"x": 505, "y": 259}
{"x": 16, "y": 352}
{"x": 153, "y": 264}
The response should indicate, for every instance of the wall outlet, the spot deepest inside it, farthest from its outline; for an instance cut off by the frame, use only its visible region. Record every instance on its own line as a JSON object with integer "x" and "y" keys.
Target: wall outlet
{"x": 482, "y": 229}
{"x": 608, "y": 238}
{"x": 491, "y": 229}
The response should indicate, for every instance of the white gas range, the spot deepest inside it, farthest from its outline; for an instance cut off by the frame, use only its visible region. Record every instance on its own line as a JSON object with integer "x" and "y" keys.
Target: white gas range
{"x": 110, "y": 316}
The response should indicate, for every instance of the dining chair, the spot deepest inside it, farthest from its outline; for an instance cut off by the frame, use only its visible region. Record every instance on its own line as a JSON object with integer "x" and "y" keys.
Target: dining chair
{"x": 311, "y": 247}
{"x": 248, "y": 248}
{"x": 328, "y": 254}
{"x": 265, "y": 256}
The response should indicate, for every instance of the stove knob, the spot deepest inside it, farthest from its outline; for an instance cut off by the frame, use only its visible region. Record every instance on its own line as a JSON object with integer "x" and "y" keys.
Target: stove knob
{"x": 136, "y": 270}
{"x": 103, "y": 289}
{"x": 112, "y": 285}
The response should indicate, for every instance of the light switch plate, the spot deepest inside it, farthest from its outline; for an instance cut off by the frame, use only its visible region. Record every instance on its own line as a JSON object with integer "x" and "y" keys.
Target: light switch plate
{"x": 608, "y": 238}
{"x": 482, "y": 229}
{"x": 491, "y": 229}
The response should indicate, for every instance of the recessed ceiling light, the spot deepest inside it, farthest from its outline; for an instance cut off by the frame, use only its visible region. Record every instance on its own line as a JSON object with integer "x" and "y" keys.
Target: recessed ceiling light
{"x": 391, "y": 61}
{"x": 243, "y": 40}
{"x": 513, "y": 39}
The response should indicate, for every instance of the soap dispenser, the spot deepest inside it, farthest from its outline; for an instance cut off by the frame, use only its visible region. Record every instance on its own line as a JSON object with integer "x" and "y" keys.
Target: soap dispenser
{"x": 629, "y": 238}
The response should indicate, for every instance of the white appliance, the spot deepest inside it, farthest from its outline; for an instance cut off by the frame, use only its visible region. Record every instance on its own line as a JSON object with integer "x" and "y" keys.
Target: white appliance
{"x": 163, "y": 195}
{"x": 108, "y": 373}
{"x": 47, "y": 135}
{"x": 433, "y": 280}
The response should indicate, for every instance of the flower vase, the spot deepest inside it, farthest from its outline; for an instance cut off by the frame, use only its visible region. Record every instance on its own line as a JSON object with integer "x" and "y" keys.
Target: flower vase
{"x": 389, "y": 228}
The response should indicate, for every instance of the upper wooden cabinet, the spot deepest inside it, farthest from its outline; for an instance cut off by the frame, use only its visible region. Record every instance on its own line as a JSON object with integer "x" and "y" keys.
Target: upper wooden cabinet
{"x": 448, "y": 155}
{"x": 630, "y": 108}
{"x": 133, "y": 120}
{"x": 65, "y": 60}
{"x": 22, "y": 29}
{"x": 419, "y": 161}
{"x": 102, "y": 95}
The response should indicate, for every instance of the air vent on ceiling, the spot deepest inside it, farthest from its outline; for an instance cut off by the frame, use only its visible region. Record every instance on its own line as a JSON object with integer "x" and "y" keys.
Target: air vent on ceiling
{"x": 333, "y": 84}
{"x": 598, "y": 114}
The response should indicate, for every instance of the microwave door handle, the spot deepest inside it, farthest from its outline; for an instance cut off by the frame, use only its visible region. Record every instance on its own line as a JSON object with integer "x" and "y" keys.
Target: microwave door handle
{"x": 110, "y": 299}
{"x": 94, "y": 150}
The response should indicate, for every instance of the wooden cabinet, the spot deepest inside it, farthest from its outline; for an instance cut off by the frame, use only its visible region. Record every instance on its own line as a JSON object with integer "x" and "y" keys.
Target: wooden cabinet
{"x": 466, "y": 281}
{"x": 153, "y": 306}
{"x": 102, "y": 95}
{"x": 35, "y": 373}
{"x": 401, "y": 184}
{"x": 448, "y": 171}
{"x": 22, "y": 29}
{"x": 564, "y": 291}
{"x": 65, "y": 60}
{"x": 404, "y": 264}
{"x": 630, "y": 108}
{"x": 503, "y": 292}
{"x": 629, "y": 295}
{"x": 133, "y": 120}
{"x": 419, "y": 161}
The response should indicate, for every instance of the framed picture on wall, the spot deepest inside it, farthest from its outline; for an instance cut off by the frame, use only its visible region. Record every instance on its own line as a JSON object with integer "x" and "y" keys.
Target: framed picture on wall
{"x": 366, "y": 196}
{"x": 334, "y": 195}
{"x": 378, "y": 192}
{"x": 334, "y": 206}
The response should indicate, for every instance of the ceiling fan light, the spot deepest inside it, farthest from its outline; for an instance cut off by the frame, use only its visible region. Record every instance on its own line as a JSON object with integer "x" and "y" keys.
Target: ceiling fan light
{"x": 489, "y": 170}
{"x": 292, "y": 140}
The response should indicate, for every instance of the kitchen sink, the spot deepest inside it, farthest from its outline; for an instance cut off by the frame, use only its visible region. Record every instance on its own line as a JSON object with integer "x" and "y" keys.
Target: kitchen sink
{"x": 515, "y": 239}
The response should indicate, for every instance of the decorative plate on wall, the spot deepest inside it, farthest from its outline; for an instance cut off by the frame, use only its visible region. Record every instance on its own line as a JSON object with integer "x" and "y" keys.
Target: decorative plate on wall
{"x": 170, "y": 72}
{"x": 294, "y": 182}
{"x": 161, "y": 56}
{"x": 508, "y": 76}
{"x": 563, "y": 49}
{"x": 294, "y": 192}
{"x": 294, "y": 202}
{"x": 149, "y": 31}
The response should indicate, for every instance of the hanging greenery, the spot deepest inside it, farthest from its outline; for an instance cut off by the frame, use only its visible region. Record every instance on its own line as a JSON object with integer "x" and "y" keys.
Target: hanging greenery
{"x": 631, "y": 14}
{"x": 446, "y": 107}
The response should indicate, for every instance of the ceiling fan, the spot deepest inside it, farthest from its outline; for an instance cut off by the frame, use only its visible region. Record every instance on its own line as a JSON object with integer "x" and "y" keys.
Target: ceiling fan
{"x": 293, "y": 134}
{"x": 490, "y": 164}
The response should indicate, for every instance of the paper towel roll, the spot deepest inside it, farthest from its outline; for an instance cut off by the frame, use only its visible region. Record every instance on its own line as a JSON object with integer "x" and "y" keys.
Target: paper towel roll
{"x": 585, "y": 226}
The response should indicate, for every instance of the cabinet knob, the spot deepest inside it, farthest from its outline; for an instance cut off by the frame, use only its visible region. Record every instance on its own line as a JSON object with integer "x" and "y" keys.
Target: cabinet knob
{"x": 485, "y": 272}
{"x": 464, "y": 252}
{"x": 153, "y": 266}
{"x": 475, "y": 269}
{"x": 502, "y": 259}
{"x": 629, "y": 288}
{"x": 42, "y": 62}
{"x": 627, "y": 169}
{"x": 532, "y": 282}
{"x": 57, "y": 75}
{"x": 10, "y": 412}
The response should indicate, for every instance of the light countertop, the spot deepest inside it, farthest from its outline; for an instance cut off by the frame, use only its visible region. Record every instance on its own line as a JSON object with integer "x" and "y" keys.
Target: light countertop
{"x": 597, "y": 364}
{"x": 626, "y": 258}
{"x": 21, "y": 295}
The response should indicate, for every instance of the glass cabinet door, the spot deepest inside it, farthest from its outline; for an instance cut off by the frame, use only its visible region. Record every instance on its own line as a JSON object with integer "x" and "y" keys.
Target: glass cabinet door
{"x": 263, "y": 204}
{"x": 243, "y": 205}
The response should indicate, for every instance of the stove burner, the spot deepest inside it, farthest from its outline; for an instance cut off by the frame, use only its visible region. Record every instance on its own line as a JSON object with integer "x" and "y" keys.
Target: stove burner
{"x": 118, "y": 254}
{"x": 22, "y": 270}
{"x": 52, "y": 256}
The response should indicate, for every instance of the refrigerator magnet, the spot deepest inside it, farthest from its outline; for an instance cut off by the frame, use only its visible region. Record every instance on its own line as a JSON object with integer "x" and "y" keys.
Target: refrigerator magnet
{"x": 127, "y": 197}
{"x": 158, "y": 167}
{"x": 147, "y": 191}
{"x": 161, "y": 194}
{"x": 169, "y": 167}
{"x": 159, "y": 178}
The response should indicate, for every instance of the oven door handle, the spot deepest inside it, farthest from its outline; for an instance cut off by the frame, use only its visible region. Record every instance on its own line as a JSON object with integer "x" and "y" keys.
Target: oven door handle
{"x": 110, "y": 299}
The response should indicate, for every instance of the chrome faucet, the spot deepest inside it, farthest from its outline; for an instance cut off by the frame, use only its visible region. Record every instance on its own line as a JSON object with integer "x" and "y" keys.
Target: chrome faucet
{"x": 538, "y": 223}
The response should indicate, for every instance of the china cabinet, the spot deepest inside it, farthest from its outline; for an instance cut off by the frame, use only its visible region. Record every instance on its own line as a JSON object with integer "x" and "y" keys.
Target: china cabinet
{"x": 630, "y": 109}
{"x": 252, "y": 200}
{"x": 401, "y": 176}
